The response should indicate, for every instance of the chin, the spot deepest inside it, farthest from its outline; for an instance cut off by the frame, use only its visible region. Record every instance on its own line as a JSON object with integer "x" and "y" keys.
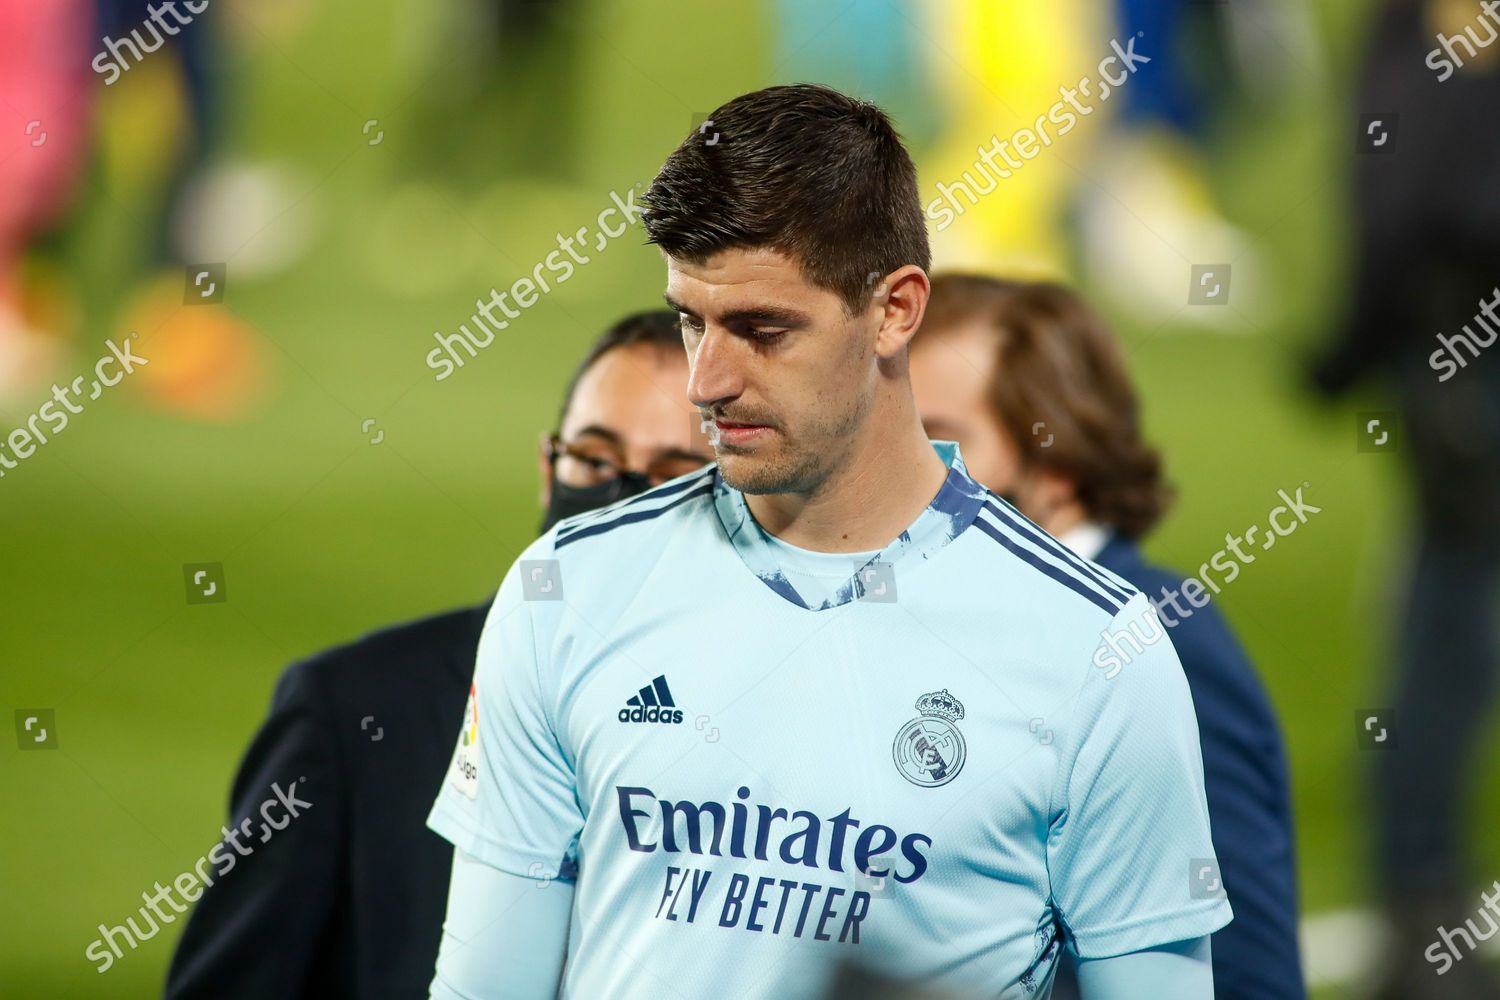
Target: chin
{"x": 743, "y": 472}
{"x": 758, "y": 474}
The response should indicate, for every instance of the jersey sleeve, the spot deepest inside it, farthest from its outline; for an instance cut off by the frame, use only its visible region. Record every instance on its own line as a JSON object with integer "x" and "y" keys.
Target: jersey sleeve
{"x": 1130, "y": 858}
{"x": 510, "y": 796}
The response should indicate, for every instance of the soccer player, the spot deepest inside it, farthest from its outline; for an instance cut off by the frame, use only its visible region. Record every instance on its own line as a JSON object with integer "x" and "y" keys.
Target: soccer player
{"x": 1031, "y": 384}
{"x": 347, "y": 899}
{"x": 829, "y": 697}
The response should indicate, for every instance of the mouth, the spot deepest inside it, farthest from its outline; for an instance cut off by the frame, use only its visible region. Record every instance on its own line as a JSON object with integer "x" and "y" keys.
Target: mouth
{"x": 737, "y": 434}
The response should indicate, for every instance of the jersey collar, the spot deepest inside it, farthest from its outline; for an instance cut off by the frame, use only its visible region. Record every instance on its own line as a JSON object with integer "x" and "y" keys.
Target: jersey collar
{"x": 953, "y": 509}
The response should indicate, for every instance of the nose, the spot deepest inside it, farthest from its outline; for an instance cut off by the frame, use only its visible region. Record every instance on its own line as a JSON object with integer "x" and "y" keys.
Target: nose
{"x": 713, "y": 375}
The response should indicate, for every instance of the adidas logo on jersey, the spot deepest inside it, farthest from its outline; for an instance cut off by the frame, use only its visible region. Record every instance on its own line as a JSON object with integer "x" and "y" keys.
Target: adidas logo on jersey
{"x": 653, "y": 703}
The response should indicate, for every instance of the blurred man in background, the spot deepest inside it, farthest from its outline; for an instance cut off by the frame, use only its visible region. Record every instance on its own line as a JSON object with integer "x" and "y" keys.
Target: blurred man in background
{"x": 1421, "y": 318}
{"x": 1030, "y": 383}
{"x": 347, "y": 900}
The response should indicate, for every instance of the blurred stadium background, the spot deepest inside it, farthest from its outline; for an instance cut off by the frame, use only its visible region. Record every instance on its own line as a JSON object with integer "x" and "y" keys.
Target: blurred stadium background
{"x": 247, "y": 440}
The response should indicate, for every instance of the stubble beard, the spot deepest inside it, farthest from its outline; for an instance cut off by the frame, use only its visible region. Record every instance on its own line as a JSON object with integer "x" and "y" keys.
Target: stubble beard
{"x": 793, "y": 467}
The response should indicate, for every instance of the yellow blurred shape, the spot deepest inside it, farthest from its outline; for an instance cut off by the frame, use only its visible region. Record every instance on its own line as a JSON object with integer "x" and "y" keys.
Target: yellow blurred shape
{"x": 999, "y": 67}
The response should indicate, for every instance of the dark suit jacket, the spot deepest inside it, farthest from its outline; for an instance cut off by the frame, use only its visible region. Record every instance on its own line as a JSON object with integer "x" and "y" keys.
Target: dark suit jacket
{"x": 348, "y": 898}
{"x": 1245, "y": 779}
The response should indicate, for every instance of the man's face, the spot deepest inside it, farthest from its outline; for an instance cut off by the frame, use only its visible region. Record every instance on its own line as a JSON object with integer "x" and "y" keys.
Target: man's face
{"x": 951, "y": 372}
{"x": 784, "y": 372}
{"x": 629, "y": 411}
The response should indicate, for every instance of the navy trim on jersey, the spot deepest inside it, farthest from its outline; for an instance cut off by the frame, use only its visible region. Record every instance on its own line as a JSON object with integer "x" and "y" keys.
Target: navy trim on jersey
{"x": 1023, "y": 526}
{"x": 1058, "y": 573}
{"x": 634, "y": 517}
{"x": 576, "y": 524}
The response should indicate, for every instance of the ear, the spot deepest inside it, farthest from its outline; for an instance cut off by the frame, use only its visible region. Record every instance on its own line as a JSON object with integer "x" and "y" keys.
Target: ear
{"x": 901, "y": 300}
{"x": 544, "y": 470}
{"x": 1053, "y": 489}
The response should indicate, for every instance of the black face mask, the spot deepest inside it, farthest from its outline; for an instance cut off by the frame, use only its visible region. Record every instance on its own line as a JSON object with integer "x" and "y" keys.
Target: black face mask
{"x": 570, "y": 500}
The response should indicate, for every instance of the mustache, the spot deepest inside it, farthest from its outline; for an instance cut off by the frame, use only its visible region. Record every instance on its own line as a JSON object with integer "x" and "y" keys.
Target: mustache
{"x": 739, "y": 417}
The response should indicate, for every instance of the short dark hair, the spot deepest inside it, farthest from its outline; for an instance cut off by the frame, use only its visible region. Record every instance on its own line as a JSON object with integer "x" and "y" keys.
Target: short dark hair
{"x": 659, "y": 327}
{"x": 804, "y": 170}
{"x": 1058, "y": 365}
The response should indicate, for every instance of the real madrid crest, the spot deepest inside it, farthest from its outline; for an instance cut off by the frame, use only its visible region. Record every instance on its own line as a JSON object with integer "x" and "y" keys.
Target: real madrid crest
{"x": 929, "y": 750}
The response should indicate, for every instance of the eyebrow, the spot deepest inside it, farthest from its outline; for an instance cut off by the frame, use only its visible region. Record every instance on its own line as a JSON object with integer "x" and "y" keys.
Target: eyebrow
{"x": 599, "y": 430}
{"x": 775, "y": 317}
{"x": 672, "y": 454}
{"x": 613, "y": 437}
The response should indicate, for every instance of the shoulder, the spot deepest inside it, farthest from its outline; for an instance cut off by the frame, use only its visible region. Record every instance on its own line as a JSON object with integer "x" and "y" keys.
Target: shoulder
{"x": 591, "y": 567}
{"x": 1203, "y": 626}
{"x": 1216, "y": 665}
{"x": 1028, "y": 561}
{"x": 629, "y": 537}
{"x": 636, "y": 521}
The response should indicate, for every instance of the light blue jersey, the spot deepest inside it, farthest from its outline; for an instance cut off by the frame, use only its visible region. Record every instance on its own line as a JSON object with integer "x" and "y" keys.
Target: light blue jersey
{"x": 757, "y": 760}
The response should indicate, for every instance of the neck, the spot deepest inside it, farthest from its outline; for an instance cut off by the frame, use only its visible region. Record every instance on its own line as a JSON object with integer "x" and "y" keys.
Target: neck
{"x": 1064, "y": 518}
{"x": 882, "y": 482}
